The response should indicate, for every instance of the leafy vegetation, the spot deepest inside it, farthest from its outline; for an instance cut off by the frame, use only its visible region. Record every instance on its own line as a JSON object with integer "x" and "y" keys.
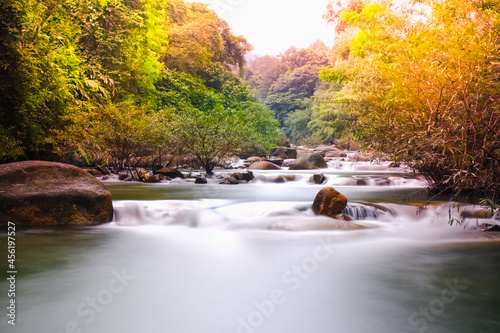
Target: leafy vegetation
{"x": 111, "y": 81}
{"x": 287, "y": 84}
{"x": 423, "y": 84}
{"x": 114, "y": 81}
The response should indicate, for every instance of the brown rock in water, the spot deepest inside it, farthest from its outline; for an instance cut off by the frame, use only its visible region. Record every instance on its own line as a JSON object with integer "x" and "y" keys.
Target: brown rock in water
{"x": 283, "y": 153}
{"x": 104, "y": 170}
{"x": 238, "y": 176}
{"x": 318, "y": 178}
{"x": 264, "y": 166}
{"x": 201, "y": 180}
{"x": 96, "y": 173}
{"x": 248, "y": 176}
{"x": 169, "y": 172}
{"x": 309, "y": 162}
{"x": 125, "y": 176}
{"x": 153, "y": 178}
{"x": 329, "y": 202}
{"x": 338, "y": 153}
{"x": 229, "y": 181}
{"x": 37, "y": 193}
{"x": 254, "y": 159}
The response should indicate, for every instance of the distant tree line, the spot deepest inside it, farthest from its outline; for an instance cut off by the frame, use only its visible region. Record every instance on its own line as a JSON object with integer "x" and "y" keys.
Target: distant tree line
{"x": 289, "y": 85}
{"x": 418, "y": 80}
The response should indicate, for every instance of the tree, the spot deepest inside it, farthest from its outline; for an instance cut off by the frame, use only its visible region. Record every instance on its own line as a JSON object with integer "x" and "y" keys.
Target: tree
{"x": 11, "y": 92}
{"x": 333, "y": 115}
{"x": 296, "y": 123}
{"x": 433, "y": 81}
{"x": 210, "y": 136}
{"x": 288, "y": 94}
{"x": 98, "y": 78}
{"x": 199, "y": 38}
{"x": 210, "y": 123}
{"x": 286, "y": 84}
{"x": 262, "y": 72}
{"x": 316, "y": 54}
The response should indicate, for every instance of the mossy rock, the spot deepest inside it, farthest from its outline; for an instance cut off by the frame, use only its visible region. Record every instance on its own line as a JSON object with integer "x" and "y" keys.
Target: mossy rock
{"x": 38, "y": 193}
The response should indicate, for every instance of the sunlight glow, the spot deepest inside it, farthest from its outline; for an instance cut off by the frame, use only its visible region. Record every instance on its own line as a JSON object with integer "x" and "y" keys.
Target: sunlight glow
{"x": 273, "y": 26}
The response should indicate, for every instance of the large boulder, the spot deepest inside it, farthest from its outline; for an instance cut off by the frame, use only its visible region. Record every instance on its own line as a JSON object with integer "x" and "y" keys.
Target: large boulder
{"x": 264, "y": 166}
{"x": 37, "y": 193}
{"x": 329, "y": 202}
{"x": 283, "y": 153}
{"x": 309, "y": 162}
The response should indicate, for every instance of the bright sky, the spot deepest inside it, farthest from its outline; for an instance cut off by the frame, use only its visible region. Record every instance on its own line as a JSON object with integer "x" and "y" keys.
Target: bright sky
{"x": 272, "y": 26}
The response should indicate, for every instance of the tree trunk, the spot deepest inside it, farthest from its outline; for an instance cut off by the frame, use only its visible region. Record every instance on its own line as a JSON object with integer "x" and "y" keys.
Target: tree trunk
{"x": 209, "y": 170}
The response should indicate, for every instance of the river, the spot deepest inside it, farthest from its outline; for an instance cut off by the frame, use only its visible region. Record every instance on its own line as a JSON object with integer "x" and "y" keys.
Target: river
{"x": 252, "y": 258}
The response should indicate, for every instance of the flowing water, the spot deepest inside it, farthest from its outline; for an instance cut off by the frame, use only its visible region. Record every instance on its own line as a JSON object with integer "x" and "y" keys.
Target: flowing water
{"x": 253, "y": 258}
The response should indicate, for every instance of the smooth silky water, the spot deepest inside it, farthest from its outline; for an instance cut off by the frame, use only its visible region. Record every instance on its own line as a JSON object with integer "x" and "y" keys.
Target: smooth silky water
{"x": 186, "y": 258}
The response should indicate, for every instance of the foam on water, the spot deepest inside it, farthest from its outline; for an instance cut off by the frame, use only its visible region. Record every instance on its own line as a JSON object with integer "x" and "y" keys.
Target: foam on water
{"x": 374, "y": 219}
{"x": 255, "y": 259}
{"x": 181, "y": 279}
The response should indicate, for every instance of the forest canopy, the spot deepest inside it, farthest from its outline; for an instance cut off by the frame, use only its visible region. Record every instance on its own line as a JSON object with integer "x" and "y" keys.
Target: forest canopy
{"x": 117, "y": 79}
{"x": 415, "y": 80}
{"x": 108, "y": 81}
{"x": 422, "y": 83}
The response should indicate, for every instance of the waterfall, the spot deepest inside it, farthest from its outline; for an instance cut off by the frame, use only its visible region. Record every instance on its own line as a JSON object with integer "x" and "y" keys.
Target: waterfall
{"x": 365, "y": 212}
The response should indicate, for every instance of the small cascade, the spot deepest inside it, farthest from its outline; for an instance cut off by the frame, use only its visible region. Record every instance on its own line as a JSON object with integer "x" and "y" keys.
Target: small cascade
{"x": 364, "y": 212}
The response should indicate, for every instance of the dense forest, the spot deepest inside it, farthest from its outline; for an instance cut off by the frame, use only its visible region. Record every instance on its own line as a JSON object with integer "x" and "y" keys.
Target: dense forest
{"x": 106, "y": 81}
{"x": 422, "y": 82}
{"x": 110, "y": 80}
{"x": 288, "y": 84}
{"x": 418, "y": 80}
